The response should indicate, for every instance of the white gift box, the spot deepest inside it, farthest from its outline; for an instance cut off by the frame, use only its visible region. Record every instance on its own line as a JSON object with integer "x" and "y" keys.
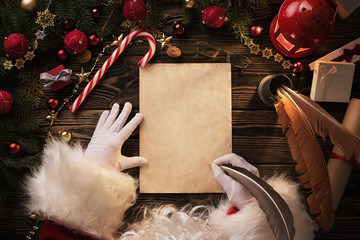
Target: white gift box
{"x": 346, "y": 7}
{"x": 338, "y": 53}
{"x": 332, "y": 81}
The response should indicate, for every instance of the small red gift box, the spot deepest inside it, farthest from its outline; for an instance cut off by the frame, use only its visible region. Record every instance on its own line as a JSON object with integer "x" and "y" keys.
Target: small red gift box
{"x": 59, "y": 84}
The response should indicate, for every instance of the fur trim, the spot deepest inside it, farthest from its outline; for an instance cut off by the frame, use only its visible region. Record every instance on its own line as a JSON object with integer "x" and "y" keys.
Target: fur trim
{"x": 250, "y": 222}
{"x": 80, "y": 194}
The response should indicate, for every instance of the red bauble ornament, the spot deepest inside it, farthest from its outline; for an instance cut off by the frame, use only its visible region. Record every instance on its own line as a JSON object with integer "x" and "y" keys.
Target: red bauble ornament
{"x": 52, "y": 103}
{"x": 96, "y": 13}
{"x": 14, "y": 148}
{"x": 5, "y": 102}
{"x": 94, "y": 40}
{"x": 16, "y": 45}
{"x": 297, "y": 67}
{"x": 255, "y": 31}
{"x": 179, "y": 28}
{"x": 62, "y": 55}
{"x": 76, "y": 41}
{"x": 134, "y": 10}
{"x": 213, "y": 16}
{"x": 67, "y": 25}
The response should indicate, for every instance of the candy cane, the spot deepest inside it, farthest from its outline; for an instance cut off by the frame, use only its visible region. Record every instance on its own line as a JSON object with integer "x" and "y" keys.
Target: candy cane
{"x": 112, "y": 59}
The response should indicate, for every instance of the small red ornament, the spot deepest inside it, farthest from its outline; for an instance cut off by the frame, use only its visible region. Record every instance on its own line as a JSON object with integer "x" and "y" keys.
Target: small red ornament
{"x": 14, "y": 148}
{"x": 67, "y": 25}
{"x": 16, "y": 45}
{"x": 62, "y": 55}
{"x": 52, "y": 103}
{"x": 232, "y": 210}
{"x": 96, "y": 13}
{"x": 94, "y": 40}
{"x": 5, "y": 102}
{"x": 179, "y": 28}
{"x": 297, "y": 67}
{"x": 213, "y": 16}
{"x": 255, "y": 31}
{"x": 76, "y": 41}
{"x": 134, "y": 10}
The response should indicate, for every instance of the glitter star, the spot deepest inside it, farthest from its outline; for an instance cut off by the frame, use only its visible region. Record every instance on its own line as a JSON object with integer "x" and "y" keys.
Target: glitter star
{"x": 40, "y": 34}
{"x": 165, "y": 41}
{"x": 35, "y": 44}
{"x": 29, "y": 55}
{"x": 278, "y": 57}
{"x": 19, "y": 63}
{"x": 286, "y": 64}
{"x": 255, "y": 49}
{"x": 7, "y": 65}
{"x": 248, "y": 42}
{"x": 83, "y": 76}
{"x": 45, "y": 18}
{"x": 267, "y": 53}
{"x": 117, "y": 40}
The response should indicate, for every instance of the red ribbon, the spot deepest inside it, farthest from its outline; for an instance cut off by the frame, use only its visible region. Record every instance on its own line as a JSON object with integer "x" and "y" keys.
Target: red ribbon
{"x": 348, "y": 54}
{"x": 352, "y": 161}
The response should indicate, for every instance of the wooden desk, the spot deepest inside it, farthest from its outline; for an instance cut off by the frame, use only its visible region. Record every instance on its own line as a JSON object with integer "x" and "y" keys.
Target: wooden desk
{"x": 257, "y": 134}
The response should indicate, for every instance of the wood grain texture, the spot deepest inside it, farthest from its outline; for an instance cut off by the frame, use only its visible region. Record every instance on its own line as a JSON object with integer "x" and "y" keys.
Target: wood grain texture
{"x": 257, "y": 134}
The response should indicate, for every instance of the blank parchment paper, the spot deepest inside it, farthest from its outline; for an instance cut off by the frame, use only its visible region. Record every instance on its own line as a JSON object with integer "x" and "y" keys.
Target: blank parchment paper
{"x": 187, "y": 125}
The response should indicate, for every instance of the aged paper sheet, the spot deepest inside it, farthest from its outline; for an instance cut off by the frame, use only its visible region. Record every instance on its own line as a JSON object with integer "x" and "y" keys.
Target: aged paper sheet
{"x": 187, "y": 125}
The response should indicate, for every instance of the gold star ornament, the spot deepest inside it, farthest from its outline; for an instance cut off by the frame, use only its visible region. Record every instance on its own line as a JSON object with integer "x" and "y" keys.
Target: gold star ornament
{"x": 45, "y": 18}
{"x": 165, "y": 41}
{"x": 255, "y": 49}
{"x": 286, "y": 64}
{"x": 117, "y": 40}
{"x": 83, "y": 76}
{"x": 19, "y": 63}
{"x": 7, "y": 64}
{"x": 267, "y": 53}
{"x": 29, "y": 55}
{"x": 278, "y": 57}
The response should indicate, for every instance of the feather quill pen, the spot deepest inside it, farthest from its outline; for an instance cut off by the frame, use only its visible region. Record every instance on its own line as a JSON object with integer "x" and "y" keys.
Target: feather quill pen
{"x": 311, "y": 165}
{"x": 277, "y": 212}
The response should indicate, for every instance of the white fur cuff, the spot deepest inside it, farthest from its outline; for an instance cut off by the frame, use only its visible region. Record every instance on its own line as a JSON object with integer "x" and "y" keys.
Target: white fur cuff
{"x": 78, "y": 193}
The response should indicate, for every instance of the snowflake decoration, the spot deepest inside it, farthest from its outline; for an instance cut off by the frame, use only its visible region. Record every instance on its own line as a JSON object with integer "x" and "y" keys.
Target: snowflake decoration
{"x": 7, "y": 65}
{"x": 45, "y": 18}
{"x": 278, "y": 58}
{"x": 286, "y": 64}
{"x": 29, "y": 55}
{"x": 40, "y": 34}
{"x": 267, "y": 53}
{"x": 255, "y": 49}
{"x": 19, "y": 63}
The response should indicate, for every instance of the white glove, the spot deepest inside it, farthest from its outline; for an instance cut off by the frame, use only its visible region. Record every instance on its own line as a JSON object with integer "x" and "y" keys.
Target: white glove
{"x": 109, "y": 136}
{"x": 236, "y": 192}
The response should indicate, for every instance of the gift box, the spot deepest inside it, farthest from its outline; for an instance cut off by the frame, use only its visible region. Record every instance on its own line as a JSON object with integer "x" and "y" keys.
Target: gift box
{"x": 346, "y": 7}
{"x": 347, "y": 53}
{"x": 332, "y": 81}
{"x": 56, "y": 78}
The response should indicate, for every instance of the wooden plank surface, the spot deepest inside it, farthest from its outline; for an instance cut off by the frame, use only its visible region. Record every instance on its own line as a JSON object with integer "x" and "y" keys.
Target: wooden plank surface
{"x": 257, "y": 134}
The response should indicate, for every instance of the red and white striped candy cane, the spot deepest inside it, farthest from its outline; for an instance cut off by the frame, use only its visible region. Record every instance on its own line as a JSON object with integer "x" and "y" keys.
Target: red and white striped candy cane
{"x": 112, "y": 59}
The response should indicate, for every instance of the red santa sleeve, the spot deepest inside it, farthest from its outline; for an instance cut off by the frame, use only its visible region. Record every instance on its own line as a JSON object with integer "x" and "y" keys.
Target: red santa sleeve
{"x": 79, "y": 194}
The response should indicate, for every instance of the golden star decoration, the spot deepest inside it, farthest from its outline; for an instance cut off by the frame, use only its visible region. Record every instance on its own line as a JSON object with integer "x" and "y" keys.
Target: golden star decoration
{"x": 29, "y": 55}
{"x": 267, "y": 53}
{"x": 255, "y": 49}
{"x": 286, "y": 64}
{"x": 248, "y": 42}
{"x": 165, "y": 41}
{"x": 35, "y": 44}
{"x": 7, "y": 64}
{"x": 278, "y": 57}
{"x": 19, "y": 63}
{"x": 83, "y": 76}
{"x": 45, "y": 18}
{"x": 52, "y": 117}
{"x": 117, "y": 40}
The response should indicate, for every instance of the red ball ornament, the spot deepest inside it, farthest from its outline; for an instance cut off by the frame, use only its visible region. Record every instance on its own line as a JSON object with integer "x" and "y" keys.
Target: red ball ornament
{"x": 16, "y": 45}
{"x": 96, "y": 13}
{"x": 76, "y": 41}
{"x": 5, "y": 102}
{"x": 62, "y": 55}
{"x": 52, "y": 103}
{"x": 179, "y": 28}
{"x": 255, "y": 31}
{"x": 14, "y": 148}
{"x": 67, "y": 25}
{"x": 134, "y": 10}
{"x": 213, "y": 16}
{"x": 94, "y": 40}
{"x": 297, "y": 67}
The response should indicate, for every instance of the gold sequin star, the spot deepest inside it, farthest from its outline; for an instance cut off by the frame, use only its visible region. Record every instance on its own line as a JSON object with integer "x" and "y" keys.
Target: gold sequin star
{"x": 248, "y": 42}
{"x": 267, "y": 53}
{"x": 7, "y": 65}
{"x": 165, "y": 41}
{"x": 117, "y": 40}
{"x": 45, "y": 18}
{"x": 83, "y": 76}
{"x": 29, "y": 55}
{"x": 35, "y": 44}
{"x": 19, "y": 63}
{"x": 255, "y": 49}
{"x": 286, "y": 64}
{"x": 278, "y": 57}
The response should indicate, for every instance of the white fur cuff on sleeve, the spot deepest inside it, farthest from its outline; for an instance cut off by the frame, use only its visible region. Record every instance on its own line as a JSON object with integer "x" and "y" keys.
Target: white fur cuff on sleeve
{"x": 78, "y": 193}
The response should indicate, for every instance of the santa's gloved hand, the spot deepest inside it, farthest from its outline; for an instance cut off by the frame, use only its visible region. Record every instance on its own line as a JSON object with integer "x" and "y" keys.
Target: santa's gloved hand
{"x": 236, "y": 192}
{"x": 109, "y": 136}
